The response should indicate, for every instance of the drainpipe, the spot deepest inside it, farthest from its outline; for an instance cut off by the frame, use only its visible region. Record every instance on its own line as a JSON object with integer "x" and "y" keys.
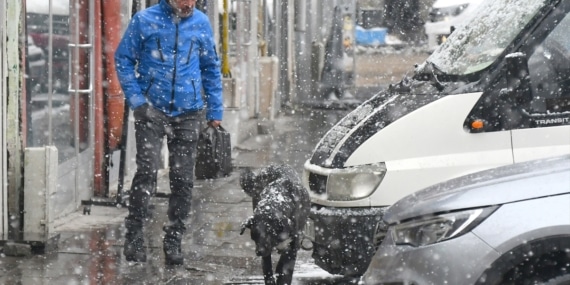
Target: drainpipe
{"x": 113, "y": 96}
{"x": 99, "y": 175}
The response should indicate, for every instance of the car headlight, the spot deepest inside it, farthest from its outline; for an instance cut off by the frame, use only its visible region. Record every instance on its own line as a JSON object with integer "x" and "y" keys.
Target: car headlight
{"x": 438, "y": 228}
{"x": 353, "y": 183}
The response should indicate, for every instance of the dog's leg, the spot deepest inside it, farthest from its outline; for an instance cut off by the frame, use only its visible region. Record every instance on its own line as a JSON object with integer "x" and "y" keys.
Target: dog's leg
{"x": 267, "y": 267}
{"x": 286, "y": 264}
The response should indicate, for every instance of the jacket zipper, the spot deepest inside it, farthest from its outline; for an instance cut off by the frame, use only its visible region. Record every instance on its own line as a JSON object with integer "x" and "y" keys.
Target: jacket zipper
{"x": 194, "y": 87}
{"x": 174, "y": 70}
{"x": 160, "y": 49}
{"x": 190, "y": 52}
{"x": 148, "y": 88}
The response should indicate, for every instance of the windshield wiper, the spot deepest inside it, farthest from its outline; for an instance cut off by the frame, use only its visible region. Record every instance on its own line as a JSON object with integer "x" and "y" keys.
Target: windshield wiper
{"x": 433, "y": 71}
{"x": 434, "y": 68}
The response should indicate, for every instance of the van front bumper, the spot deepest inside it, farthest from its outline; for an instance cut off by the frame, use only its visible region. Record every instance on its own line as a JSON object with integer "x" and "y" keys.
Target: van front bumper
{"x": 344, "y": 238}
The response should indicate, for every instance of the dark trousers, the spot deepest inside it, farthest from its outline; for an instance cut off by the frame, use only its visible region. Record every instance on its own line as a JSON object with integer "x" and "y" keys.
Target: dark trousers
{"x": 182, "y": 136}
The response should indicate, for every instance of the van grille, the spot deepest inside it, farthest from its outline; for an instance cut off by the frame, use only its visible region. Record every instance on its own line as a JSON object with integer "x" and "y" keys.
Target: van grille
{"x": 318, "y": 183}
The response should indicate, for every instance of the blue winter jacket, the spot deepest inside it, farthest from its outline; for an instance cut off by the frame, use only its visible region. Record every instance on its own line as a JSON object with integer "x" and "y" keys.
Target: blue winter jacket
{"x": 165, "y": 61}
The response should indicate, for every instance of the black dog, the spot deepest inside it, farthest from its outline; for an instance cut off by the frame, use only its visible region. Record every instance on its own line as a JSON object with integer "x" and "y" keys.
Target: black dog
{"x": 280, "y": 211}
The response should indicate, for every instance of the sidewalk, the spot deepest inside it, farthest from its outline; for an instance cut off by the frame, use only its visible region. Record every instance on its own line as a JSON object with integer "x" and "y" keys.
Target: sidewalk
{"x": 90, "y": 246}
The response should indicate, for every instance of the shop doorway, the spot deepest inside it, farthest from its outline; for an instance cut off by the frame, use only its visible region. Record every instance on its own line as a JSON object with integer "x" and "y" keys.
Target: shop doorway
{"x": 60, "y": 97}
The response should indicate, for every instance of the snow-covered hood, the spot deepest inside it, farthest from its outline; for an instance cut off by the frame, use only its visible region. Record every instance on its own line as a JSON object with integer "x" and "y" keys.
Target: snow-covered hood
{"x": 342, "y": 140}
{"x": 351, "y": 131}
{"x": 523, "y": 181}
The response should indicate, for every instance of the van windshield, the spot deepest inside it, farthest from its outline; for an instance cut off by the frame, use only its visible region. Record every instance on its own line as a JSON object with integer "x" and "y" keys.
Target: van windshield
{"x": 477, "y": 45}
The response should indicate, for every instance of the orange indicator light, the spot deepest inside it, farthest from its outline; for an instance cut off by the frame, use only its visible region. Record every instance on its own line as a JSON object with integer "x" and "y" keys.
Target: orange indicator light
{"x": 477, "y": 124}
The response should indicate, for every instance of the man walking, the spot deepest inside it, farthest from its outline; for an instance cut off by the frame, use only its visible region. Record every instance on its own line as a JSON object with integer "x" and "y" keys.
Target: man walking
{"x": 164, "y": 60}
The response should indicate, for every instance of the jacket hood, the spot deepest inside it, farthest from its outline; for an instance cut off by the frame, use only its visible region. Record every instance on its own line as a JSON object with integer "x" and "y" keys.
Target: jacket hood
{"x": 507, "y": 184}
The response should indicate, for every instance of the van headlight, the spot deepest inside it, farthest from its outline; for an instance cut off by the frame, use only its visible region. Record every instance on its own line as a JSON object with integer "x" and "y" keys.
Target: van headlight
{"x": 356, "y": 182}
{"x": 434, "y": 229}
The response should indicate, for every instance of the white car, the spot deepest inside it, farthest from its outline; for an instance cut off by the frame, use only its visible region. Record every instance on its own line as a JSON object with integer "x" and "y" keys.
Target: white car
{"x": 445, "y": 14}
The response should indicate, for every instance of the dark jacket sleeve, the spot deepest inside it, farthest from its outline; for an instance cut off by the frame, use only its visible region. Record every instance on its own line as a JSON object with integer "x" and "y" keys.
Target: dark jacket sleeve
{"x": 126, "y": 57}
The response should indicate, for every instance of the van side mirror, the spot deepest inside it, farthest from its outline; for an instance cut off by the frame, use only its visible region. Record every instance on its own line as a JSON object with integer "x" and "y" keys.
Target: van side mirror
{"x": 518, "y": 80}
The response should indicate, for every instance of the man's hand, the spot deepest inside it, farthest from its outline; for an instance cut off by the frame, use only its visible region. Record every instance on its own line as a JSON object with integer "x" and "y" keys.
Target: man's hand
{"x": 214, "y": 123}
{"x": 142, "y": 111}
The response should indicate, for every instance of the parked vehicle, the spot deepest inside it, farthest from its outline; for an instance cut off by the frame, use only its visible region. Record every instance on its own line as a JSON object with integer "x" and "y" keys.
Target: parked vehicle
{"x": 36, "y": 65}
{"x": 37, "y": 21}
{"x": 509, "y": 225}
{"x": 496, "y": 93}
{"x": 446, "y": 15}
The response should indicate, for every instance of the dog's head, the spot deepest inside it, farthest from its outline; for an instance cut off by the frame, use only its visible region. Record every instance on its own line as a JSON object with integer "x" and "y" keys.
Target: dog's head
{"x": 274, "y": 172}
{"x": 253, "y": 184}
{"x": 247, "y": 182}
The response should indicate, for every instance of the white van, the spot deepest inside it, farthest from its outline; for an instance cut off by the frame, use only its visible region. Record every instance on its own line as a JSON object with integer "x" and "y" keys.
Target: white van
{"x": 497, "y": 92}
{"x": 445, "y": 15}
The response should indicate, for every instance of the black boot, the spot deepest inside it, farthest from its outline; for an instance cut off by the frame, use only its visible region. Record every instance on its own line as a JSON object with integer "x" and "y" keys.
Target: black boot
{"x": 134, "y": 242}
{"x": 172, "y": 244}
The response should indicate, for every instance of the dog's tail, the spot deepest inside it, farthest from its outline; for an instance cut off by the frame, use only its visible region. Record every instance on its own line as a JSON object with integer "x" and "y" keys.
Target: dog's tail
{"x": 246, "y": 225}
